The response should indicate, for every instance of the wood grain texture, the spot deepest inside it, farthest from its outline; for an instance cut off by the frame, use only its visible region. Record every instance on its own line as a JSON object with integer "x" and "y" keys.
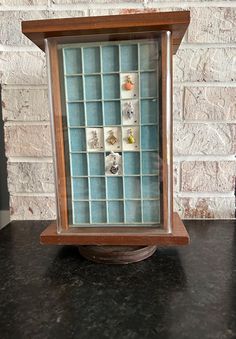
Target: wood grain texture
{"x": 123, "y": 236}
{"x": 176, "y": 22}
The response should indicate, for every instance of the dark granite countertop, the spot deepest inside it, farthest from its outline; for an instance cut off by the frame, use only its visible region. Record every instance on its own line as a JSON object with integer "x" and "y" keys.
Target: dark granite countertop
{"x": 185, "y": 292}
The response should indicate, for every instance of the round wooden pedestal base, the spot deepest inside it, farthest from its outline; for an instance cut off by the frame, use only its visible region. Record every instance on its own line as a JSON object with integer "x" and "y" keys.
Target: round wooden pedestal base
{"x": 116, "y": 254}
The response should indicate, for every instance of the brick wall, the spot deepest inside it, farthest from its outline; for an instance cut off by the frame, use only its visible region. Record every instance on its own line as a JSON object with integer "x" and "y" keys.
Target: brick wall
{"x": 204, "y": 105}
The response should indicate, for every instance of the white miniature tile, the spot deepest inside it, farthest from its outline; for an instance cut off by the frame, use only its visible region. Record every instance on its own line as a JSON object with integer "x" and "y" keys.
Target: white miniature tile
{"x": 113, "y": 164}
{"x": 130, "y": 133}
{"x": 112, "y": 134}
{"x": 130, "y": 112}
{"x": 94, "y": 139}
{"x": 133, "y": 92}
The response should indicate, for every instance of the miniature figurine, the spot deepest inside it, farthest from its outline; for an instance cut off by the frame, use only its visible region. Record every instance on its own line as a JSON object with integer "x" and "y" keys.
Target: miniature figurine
{"x": 112, "y": 139}
{"x": 95, "y": 140}
{"x": 129, "y": 110}
{"x": 114, "y": 168}
{"x": 128, "y": 85}
{"x": 131, "y": 139}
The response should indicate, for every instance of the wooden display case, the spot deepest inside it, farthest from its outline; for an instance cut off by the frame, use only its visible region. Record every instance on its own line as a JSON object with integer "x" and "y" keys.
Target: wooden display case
{"x": 110, "y": 81}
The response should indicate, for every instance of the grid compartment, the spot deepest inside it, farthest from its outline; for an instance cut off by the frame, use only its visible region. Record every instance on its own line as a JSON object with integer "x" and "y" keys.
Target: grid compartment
{"x": 114, "y": 188}
{"x": 99, "y": 214}
{"x": 80, "y": 188}
{"x": 96, "y": 164}
{"x": 80, "y": 212}
{"x": 79, "y": 164}
{"x": 151, "y": 211}
{"x": 110, "y": 58}
{"x": 94, "y": 113}
{"x": 97, "y": 190}
{"x": 112, "y": 113}
{"x": 91, "y": 60}
{"x": 74, "y": 88}
{"x": 111, "y": 86}
{"x": 77, "y": 139}
{"x": 116, "y": 211}
{"x": 133, "y": 211}
{"x": 96, "y": 100}
{"x": 76, "y": 114}
{"x": 93, "y": 87}
{"x": 72, "y": 57}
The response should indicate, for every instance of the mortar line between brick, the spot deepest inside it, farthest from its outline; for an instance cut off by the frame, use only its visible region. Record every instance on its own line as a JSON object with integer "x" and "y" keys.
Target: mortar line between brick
{"x": 48, "y": 160}
{"x": 205, "y": 194}
{"x": 205, "y": 84}
{"x": 27, "y": 123}
{"x": 204, "y": 158}
{"x": 33, "y": 194}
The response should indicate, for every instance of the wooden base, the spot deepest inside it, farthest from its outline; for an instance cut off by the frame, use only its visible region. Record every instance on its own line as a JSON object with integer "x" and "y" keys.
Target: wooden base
{"x": 116, "y": 254}
{"x": 121, "y": 236}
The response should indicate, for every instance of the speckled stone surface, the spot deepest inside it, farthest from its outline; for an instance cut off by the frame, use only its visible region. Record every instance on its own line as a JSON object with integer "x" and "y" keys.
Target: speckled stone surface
{"x": 51, "y": 292}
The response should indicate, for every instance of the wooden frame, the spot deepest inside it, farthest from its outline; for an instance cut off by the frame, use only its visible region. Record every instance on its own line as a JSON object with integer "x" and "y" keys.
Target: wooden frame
{"x": 139, "y": 25}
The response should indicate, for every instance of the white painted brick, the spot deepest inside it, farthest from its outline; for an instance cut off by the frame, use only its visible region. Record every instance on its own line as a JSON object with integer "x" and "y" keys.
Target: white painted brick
{"x": 208, "y": 176}
{"x": 29, "y": 3}
{"x": 204, "y": 139}
{"x": 32, "y": 208}
{"x": 56, "y": 14}
{"x": 205, "y": 207}
{"x": 205, "y": 64}
{"x": 92, "y": 2}
{"x": 30, "y": 177}
{"x": 210, "y": 103}
{"x": 176, "y": 181}
{"x": 212, "y": 25}
{"x": 178, "y": 103}
{"x": 23, "y": 68}
{"x": 25, "y": 104}
{"x": 10, "y": 26}
{"x": 28, "y": 141}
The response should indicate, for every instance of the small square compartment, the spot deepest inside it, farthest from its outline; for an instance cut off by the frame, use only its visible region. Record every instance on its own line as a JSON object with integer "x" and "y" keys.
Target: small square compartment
{"x": 150, "y": 162}
{"x": 129, "y": 106}
{"x": 129, "y": 58}
{"x": 76, "y": 114}
{"x": 150, "y": 187}
{"x": 97, "y": 188}
{"x": 79, "y": 164}
{"x": 132, "y": 187}
{"x": 148, "y": 56}
{"x": 111, "y": 86}
{"x": 148, "y": 84}
{"x": 115, "y": 188}
{"x": 91, "y": 60}
{"x": 125, "y": 134}
{"x": 149, "y": 137}
{"x": 112, "y": 112}
{"x": 77, "y": 139}
{"x": 74, "y": 88}
{"x": 133, "y": 211}
{"x": 115, "y": 211}
{"x": 117, "y": 146}
{"x": 98, "y": 212}
{"x": 72, "y": 60}
{"x": 132, "y": 93}
{"x": 109, "y": 161}
{"x": 80, "y": 212}
{"x": 96, "y": 164}
{"x": 149, "y": 111}
{"x": 131, "y": 163}
{"x": 110, "y": 59}
{"x": 151, "y": 211}
{"x": 94, "y": 145}
{"x": 94, "y": 113}
{"x": 93, "y": 87}
{"x": 80, "y": 188}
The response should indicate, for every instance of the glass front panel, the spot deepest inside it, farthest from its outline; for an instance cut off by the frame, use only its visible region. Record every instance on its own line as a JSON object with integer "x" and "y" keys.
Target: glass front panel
{"x": 111, "y": 120}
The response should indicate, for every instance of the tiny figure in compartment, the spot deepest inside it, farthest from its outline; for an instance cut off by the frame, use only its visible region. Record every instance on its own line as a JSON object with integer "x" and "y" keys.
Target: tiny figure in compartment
{"x": 128, "y": 85}
{"x": 131, "y": 139}
{"x": 129, "y": 110}
{"x": 111, "y": 139}
{"x": 94, "y": 140}
{"x": 113, "y": 163}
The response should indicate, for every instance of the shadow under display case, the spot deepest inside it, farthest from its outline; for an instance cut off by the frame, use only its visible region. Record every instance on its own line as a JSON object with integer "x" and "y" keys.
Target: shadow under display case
{"x": 110, "y": 82}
